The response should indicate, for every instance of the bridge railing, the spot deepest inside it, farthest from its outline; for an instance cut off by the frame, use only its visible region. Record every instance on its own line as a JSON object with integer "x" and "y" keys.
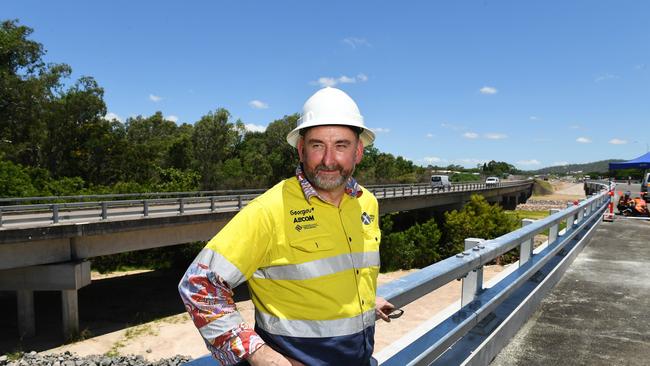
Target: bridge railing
{"x": 180, "y": 203}
{"x": 477, "y": 301}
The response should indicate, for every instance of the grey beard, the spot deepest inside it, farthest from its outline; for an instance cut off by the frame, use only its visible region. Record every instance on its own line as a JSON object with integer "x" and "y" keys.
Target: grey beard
{"x": 327, "y": 184}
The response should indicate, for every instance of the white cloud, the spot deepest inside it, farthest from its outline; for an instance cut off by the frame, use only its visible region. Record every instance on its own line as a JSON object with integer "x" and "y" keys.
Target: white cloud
{"x": 154, "y": 98}
{"x": 453, "y": 127}
{"x": 172, "y": 118}
{"x": 258, "y": 104}
{"x": 355, "y": 42}
{"x": 583, "y": 140}
{"x": 429, "y": 135}
{"x": 470, "y": 135}
{"x": 380, "y": 130}
{"x": 617, "y": 142}
{"x": 605, "y": 77}
{"x": 488, "y": 90}
{"x": 254, "y": 128}
{"x": 495, "y": 136}
{"x": 575, "y": 127}
{"x": 560, "y": 163}
{"x": 343, "y": 79}
{"x": 529, "y": 162}
{"x": 111, "y": 116}
{"x": 534, "y": 118}
{"x": 433, "y": 160}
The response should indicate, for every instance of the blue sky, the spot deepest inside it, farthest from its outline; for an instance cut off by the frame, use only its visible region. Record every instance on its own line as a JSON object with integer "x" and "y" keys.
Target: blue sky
{"x": 532, "y": 83}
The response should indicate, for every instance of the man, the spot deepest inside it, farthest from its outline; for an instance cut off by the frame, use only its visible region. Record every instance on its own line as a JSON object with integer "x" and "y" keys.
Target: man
{"x": 309, "y": 249}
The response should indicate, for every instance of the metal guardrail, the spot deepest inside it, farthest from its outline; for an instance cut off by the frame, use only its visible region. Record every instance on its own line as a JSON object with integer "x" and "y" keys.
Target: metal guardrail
{"x": 112, "y": 207}
{"x": 476, "y": 301}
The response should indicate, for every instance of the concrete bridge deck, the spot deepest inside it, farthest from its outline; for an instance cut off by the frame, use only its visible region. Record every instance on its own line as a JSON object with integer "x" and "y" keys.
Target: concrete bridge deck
{"x": 599, "y": 312}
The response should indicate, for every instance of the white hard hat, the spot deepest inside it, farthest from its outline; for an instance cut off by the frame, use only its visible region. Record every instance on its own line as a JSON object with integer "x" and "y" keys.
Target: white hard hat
{"x": 330, "y": 106}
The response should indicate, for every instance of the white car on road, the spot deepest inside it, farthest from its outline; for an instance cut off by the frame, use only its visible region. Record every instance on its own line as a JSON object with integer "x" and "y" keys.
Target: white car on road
{"x": 492, "y": 181}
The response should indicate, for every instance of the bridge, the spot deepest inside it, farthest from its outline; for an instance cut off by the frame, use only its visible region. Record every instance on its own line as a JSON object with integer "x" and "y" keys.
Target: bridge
{"x": 46, "y": 246}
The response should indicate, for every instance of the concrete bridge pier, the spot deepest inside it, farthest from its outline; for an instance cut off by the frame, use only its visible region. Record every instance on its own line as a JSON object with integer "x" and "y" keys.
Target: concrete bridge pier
{"x": 64, "y": 277}
{"x": 509, "y": 202}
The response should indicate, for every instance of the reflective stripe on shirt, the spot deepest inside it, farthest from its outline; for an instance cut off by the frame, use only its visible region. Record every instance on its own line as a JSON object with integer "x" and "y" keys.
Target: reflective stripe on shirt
{"x": 314, "y": 328}
{"x": 216, "y": 328}
{"x": 221, "y": 266}
{"x": 320, "y": 267}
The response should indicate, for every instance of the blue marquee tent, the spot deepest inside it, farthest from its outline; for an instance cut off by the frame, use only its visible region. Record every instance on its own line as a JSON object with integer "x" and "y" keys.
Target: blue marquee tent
{"x": 642, "y": 162}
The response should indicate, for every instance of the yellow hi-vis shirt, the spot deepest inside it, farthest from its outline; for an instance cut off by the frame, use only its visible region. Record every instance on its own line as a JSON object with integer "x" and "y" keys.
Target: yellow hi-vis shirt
{"x": 311, "y": 266}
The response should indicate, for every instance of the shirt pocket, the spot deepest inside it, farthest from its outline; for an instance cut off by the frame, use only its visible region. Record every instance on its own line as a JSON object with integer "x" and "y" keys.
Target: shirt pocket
{"x": 312, "y": 244}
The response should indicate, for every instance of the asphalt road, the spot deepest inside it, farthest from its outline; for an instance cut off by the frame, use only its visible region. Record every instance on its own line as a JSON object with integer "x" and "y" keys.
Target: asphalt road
{"x": 598, "y": 312}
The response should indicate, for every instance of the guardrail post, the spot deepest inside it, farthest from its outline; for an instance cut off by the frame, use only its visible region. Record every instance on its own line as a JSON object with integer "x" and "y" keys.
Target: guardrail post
{"x": 526, "y": 247}
{"x": 104, "y": 210}
{"x": 145, "y": 208}
{"x": 0, "y": 217}
{"x": 569, "y": 219}
{"x": 212, "y": 204}
{"x": 402, "y": 191}
{"x": 181, "y": 206}
{"x": 55, "y": 214}
{"x": 473, "y": 281}
{"x": 384, "y": 192}
{"x": 553, "y": 230}
{"x": 239, "y": 204}
{"x": 581, "y": 214}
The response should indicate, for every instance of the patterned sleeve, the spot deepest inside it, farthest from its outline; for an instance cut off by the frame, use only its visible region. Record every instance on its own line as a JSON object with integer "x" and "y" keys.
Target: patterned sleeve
{"x": 209, "y": 301}
{"x": 227, "y": 261}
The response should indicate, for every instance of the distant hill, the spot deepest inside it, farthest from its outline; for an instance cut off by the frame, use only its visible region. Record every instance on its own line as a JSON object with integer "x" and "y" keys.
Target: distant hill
{"x": 597, "y": 166}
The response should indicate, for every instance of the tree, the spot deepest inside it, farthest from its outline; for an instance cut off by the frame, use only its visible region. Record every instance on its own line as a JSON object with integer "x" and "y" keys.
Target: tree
{"x": 282, "y": 157}
{"x": 77, "y": 136}
{"x": 214, "y": 140}
{"x": 27, "y": 87}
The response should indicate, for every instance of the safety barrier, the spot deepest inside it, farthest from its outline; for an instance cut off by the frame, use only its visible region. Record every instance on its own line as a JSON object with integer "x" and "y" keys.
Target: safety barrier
{"x": 477, "y": 301}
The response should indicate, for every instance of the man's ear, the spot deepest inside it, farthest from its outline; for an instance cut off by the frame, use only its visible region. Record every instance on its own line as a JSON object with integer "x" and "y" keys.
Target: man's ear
{"x": 359, "y": 152}
{"x": 300, "y": 145}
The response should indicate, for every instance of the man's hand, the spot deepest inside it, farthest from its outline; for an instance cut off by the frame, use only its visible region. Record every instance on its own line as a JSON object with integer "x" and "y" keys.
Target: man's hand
{"x": 383, "y": 308}
{"x": 266, "y": 355}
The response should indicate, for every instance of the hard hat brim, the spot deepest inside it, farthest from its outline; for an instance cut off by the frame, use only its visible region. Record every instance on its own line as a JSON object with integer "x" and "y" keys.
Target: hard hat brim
{"x": 367, "y": 137}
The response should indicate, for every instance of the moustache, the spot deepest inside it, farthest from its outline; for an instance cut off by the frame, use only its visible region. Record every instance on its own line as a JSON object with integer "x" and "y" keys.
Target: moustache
{"x": 331, "y": 167}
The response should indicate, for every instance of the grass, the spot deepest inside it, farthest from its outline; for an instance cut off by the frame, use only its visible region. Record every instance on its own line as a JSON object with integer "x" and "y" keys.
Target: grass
{"x": 131, "y": 333}
{"x": 542, "y": 188}
{"x": 534, "y": 215}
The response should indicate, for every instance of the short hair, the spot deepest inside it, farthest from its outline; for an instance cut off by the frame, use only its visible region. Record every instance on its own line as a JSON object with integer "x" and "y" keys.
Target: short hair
{"x": 357, "y": 130}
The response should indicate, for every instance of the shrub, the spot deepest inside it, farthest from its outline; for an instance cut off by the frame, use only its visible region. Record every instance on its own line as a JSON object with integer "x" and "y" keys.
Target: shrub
{"x": 478, "y": 219}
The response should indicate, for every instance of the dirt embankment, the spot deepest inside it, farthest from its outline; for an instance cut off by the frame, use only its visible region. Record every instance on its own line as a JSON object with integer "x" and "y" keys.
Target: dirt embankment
{"x": 563, "y": 193}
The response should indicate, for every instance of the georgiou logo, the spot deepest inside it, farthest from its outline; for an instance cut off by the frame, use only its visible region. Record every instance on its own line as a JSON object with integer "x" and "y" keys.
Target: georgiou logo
{"x": 301, "y": 212}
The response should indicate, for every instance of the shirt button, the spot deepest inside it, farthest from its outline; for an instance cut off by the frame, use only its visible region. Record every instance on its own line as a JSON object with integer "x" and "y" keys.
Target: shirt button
{"x": 357, "y": 271}
{"x": 362, "y": 302}
{"x": 350, "y": 239}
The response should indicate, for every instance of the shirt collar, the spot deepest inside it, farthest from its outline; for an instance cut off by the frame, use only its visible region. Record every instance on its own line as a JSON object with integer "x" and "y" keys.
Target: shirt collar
{"x": 352, "y": 188}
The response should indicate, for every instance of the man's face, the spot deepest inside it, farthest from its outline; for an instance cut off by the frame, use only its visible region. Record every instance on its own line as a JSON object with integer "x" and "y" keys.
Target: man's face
{"x": 329, "y": 155}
